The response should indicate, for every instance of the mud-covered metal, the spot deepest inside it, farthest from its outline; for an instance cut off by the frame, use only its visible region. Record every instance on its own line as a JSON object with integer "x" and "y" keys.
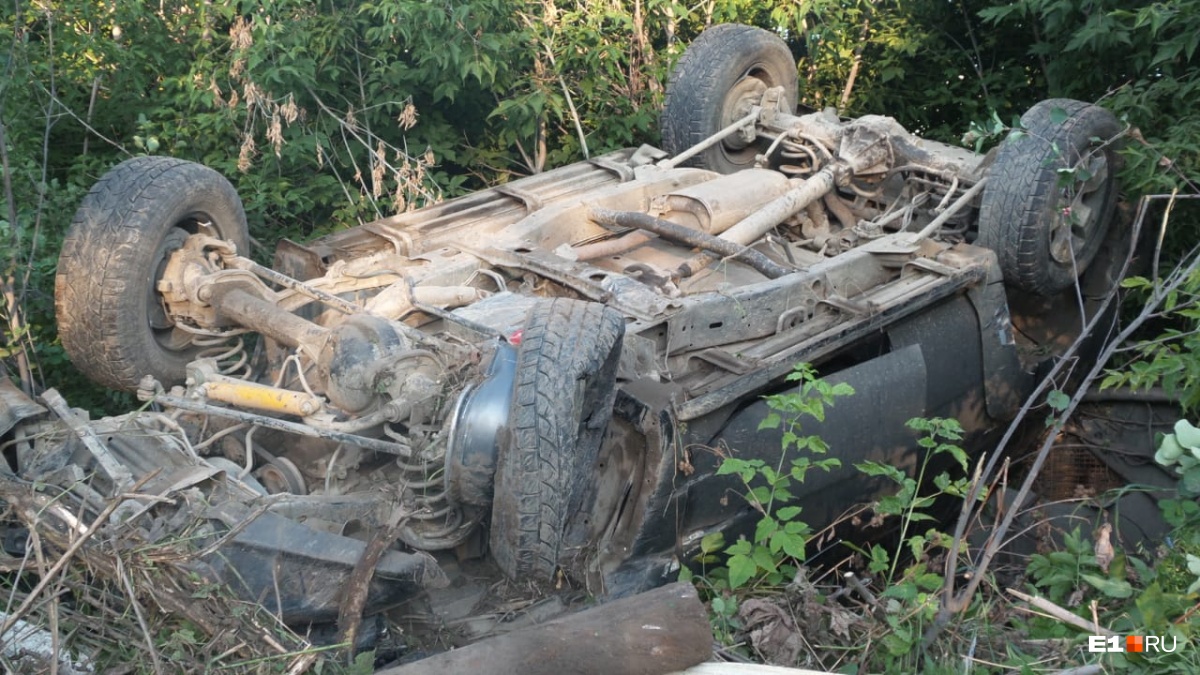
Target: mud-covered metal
{"x": 479, "y": 417}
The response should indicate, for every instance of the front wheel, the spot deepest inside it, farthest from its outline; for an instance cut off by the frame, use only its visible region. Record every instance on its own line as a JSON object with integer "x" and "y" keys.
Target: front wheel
{"x": 111, "y": 318}
{"x": 1051, "y": 194}
{"x": 561, "y": 405}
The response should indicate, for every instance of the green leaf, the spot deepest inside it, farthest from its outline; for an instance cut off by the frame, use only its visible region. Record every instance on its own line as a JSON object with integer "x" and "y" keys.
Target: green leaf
{"x": 712, "y": 542}
{"x": 763, "y": 558}
{"x": 958, "y": 454}
{"x": 718, "y": 605}
{"x": 880, "y": 559}
{"x": 842, "y": 389}
{"x": 741, "y": 568}
{"x": 760, "y": 495}
{"x": 787, "y": 512}
{"x": 929, "y": 581}
{"x": 1058, "y": 115}
{"x": 796, "y": 527}
{"x": 766, "y": 527}
{"x": 876, "y": 469}
{"x": 731, "y": 465}
{"x": 769, "y": 474}
{"x": 902, "y": 591}
{"x": 1136, "y": 282}
{"x": 771, "y": 421}
{"x": 790, "y": 543}
{"x": 1187, "y": 435}
{"x": 1058, "y": 400}
{"x": 740, "y": 547}
{"x": 1191, "y": 481}
{"x": 1169, "y": 451}
{"x": 1113, "y": 588}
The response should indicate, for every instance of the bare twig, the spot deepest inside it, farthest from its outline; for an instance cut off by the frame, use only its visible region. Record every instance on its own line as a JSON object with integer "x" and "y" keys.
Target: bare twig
{"x": 45, "y": 178}
{"x": 15, "y": 492}
{"x": 119, "y": 147}
{"x": 854, "y": 66}
{"x": 857, "y": 584}
{"x": 951, "y": 603}
{"x": 91, "y": 109}
{"x": 355, "y": 131}
{"x": 354, "y": 592}
{"x": 1090, "y": 669}
{"x": 570, "y": 102}
{"x": 303, "y": 663}
{"x": 1059, "y": 613}
{"x": 35, "y": 542}
{"x": 574, "y": 117}
{"x": 236, "y": 529}
{"x": 1162, "y": 233}
{"x": 16, "y": 326}
{"x": 137, "y": 611}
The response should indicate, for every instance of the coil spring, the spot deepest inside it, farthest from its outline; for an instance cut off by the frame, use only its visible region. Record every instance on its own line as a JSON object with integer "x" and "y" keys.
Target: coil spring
{"x": 227, "y": 348}
{"x": 229, "y": 353}
{"x": 799, "y": 159}
{"x": 436, "y": 523}
{"x": 936, "y": 181}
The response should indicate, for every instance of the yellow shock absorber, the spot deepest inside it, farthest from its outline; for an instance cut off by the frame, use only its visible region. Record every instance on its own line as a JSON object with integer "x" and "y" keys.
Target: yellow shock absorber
{"x": 260, "y": 396}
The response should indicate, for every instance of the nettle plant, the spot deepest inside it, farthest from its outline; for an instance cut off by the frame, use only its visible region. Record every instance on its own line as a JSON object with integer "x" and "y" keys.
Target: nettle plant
{"x": 913, "y": 501}
{"x": 772, "y": 556}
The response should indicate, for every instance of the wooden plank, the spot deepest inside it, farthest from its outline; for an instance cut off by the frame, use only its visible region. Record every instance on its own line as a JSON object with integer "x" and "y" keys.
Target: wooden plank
{"x": 660, "y": 631}
{"x": 746, "y": 669}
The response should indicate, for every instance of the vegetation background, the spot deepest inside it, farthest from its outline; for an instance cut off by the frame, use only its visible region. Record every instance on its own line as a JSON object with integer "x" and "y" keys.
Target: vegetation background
{"x": 331, "y": 112}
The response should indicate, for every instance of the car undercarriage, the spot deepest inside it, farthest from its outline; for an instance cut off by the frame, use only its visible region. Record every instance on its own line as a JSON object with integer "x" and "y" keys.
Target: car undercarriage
{"x": 548, "y": 373}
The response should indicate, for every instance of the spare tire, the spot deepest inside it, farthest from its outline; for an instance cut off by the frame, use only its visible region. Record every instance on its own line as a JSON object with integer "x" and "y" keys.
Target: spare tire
{"x": 723, "y": 73}
{"x": 1051, "y": 194}
{"x": 561, "y": 405}
{"x": 111, "y": 318}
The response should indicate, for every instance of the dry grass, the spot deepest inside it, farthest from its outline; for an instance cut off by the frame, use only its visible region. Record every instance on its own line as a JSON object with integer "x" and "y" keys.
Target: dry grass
{"x": 112, "y": 601}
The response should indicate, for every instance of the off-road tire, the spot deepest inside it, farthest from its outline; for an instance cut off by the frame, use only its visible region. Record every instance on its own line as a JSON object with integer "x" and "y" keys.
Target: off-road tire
{"x": 707, "y": 72}
{"x": 1024, "y": 200}
{"x": 562, "y": 403}
{"x": 104, "y": 290}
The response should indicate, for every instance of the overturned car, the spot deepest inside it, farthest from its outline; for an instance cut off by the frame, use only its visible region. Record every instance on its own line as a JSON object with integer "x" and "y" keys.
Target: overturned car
{"x": 548, "y": 372}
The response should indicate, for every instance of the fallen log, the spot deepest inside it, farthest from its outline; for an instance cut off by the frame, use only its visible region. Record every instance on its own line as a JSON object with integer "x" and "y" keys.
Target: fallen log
{"x": 656, "y": 632}
{"x": 748, "y": 669}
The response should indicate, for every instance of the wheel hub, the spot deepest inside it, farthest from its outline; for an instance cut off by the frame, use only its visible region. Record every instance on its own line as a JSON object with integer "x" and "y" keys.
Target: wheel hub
{"x": 743, "y": 96}
{"x": 1076, "y": 222}
{"x": 158, "y": 315}
{"x": 182, "y": 272}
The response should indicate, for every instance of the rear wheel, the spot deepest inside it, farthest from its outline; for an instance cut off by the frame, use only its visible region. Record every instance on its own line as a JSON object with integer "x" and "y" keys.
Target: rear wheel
{"x": 720, "y": 77}
{"x": 111, "y": 317}
{"x": 1051, "y": 194}
{"x": 562, "y": 403}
